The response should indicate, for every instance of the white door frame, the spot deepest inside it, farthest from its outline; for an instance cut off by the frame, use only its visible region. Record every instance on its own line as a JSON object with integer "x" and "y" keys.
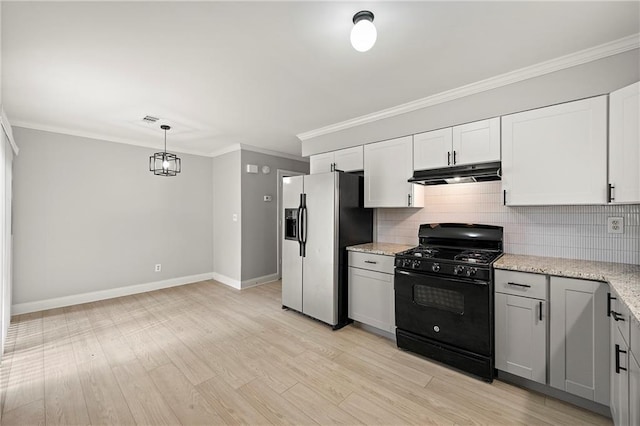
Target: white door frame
{"x": 281, "y": 174}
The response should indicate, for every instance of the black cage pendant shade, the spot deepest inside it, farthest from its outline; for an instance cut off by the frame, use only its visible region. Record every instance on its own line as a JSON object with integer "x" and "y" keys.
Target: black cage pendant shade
{"x": 164, "y": 163}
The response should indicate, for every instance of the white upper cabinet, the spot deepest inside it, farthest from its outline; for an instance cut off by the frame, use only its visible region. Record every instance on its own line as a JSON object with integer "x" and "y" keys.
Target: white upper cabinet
{"x": 477, "y": 142}
{"x": 387, "y": 167}
{"x": 471, "y": 143}
{"x": 624, "y": 144}
{"x": 346, "y": 160}
{"x": 556, "y": 155}
{"x": 432, "y": 150}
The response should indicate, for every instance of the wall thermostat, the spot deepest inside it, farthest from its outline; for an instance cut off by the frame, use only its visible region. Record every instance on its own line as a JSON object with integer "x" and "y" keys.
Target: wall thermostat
{"x": 267, "y": 197}
{"x": 266, "y": 170}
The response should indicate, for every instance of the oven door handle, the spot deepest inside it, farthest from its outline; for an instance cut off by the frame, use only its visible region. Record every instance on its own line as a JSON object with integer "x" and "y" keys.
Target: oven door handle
{"x": 449, "y": 279}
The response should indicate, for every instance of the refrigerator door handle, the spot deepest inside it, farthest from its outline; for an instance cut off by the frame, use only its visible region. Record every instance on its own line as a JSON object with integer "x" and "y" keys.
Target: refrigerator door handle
{"x": 299, "y": 229}
{"x": 304, "y": 232}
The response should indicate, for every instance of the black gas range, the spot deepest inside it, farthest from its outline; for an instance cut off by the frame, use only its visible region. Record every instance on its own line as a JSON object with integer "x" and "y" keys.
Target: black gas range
{"x": 444, "y": 295}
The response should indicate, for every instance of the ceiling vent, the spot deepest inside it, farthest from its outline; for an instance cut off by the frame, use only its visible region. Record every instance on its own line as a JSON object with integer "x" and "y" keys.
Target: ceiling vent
{"x": 149, "y": 119}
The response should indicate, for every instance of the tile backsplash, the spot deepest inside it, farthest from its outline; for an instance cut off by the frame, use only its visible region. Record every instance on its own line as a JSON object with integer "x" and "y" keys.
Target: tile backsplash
{"x": 574, "y": 232}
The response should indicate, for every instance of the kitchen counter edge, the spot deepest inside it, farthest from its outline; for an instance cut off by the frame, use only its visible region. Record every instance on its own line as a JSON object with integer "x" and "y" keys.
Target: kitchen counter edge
{"x": 622, "y": 277}
{"x": 385, "y": 249}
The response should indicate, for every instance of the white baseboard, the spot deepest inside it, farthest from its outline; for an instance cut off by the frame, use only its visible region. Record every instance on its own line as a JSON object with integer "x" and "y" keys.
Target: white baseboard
{"x": 227, "y": 281}
{"x": 241, "y": 285}
{"x": 77, "y": 299}
{"x": 259, "y": 280}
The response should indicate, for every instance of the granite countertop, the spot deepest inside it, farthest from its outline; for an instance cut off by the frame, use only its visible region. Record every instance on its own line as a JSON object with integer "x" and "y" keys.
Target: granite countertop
{"x": 623, "y": 278}
{"x": 387, "y": 249}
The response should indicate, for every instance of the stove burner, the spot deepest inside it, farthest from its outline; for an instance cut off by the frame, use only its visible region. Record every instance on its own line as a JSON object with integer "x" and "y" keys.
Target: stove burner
{"x": 424, "y": 252}
{"x": 474, "y": 257}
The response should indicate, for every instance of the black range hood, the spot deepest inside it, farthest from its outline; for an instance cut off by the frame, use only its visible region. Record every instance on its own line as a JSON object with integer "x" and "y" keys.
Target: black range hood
{"x": 458, "y": 174}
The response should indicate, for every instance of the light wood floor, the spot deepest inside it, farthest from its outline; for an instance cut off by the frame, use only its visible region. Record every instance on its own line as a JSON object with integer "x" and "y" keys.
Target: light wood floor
{"x": 207, "y": 354}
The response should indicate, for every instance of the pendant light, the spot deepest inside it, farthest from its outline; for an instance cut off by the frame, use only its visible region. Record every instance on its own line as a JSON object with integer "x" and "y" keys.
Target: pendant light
{"x": 164, "y": 163}
{"x": 363, "y": 33}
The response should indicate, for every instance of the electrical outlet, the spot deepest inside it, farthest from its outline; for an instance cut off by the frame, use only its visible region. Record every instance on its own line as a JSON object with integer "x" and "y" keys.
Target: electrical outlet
{"x": 615, "y": 225}
{"x": 158, "y": 267}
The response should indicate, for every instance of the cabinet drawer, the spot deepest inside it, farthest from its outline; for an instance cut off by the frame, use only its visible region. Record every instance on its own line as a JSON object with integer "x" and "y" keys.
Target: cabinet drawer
{"x": 373, "y": 262}
{"x": 521, "y": 284}
{"x": 620, "y": 316}
{"x": 635, "y": 338}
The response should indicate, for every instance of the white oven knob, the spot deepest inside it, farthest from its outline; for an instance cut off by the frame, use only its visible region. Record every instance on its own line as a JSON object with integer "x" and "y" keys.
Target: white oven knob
{"x": 436, "y": 329}
{"x": 435, "y": 267}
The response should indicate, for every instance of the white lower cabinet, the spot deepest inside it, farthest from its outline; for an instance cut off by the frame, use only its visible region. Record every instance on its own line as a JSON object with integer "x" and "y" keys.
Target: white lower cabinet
{"x": 625, "y": 369}
{"x": 619, "y": 378}
{"x": 634, "y": 388}
{"x": 579, "y": 338}
{"x": 521, "y": 336}
{"x": 521, "y": 324}
{"x": 371, "y": 296}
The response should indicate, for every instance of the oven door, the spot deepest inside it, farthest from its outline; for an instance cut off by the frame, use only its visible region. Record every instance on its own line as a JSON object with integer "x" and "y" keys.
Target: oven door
{"x": 448, "y": 310}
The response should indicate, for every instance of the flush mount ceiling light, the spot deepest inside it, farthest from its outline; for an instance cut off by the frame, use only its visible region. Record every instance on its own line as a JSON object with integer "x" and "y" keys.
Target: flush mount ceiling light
{"x": 363, "y": 33}
{"x": 164, "y": 163}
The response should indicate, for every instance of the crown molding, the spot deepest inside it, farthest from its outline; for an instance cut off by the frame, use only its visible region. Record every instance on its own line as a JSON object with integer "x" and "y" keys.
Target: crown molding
{"x": 245, "y": 147}
{"x": 96, "y": 136}
{"x": 563, "y": 62}
{"x": 6, "y": 125}
{"x": 225, "y": 150}
{"x": 274, "y": 153}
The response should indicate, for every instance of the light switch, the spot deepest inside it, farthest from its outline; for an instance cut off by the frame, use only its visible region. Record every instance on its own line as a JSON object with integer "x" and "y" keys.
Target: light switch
{"x": 252, "y": 168}
{"x": 234, "y": 217}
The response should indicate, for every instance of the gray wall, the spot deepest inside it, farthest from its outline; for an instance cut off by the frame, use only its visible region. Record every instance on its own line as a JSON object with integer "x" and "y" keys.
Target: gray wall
{"x": 259, "y": 222}
{"x": 594, "y": 78}
{"x": 227, "y": 237}
{"x": 89, "y": 216}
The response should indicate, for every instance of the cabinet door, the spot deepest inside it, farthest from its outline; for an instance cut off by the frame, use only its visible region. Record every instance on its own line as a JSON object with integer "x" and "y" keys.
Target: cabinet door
{"x": 349, "y": 159}
{"x": 634, "y": 389}
{"x": 619, "y": 380}
{"x": 477, "y": 142}
{"x": 387, "y": 167}
{"x": 579, "y": 338}
{"x": 521, "y": 336}
{"x": 321, "y": 163}
{"x": 432, "y": 150}
{"x": 556, "y": 155}
{"x": 624, "y": 144}
{"x": 371, "y": 298}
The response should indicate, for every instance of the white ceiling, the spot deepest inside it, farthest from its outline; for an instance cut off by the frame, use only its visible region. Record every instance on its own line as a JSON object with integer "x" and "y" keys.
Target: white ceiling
{"x": 223, "y": 73}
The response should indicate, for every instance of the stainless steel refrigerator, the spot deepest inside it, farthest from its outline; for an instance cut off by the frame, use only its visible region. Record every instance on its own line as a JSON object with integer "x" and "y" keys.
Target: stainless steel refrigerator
{"x": 322, "y": 215}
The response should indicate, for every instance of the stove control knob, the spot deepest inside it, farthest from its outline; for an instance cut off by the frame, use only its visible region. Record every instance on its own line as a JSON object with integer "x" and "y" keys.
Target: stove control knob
{"x": 471, "y": 272}
{"x": 458, "y": 270}
{"x": 406, "y": 263}
{"x": 435, "y": 267}
{"x": 415, "y": 264}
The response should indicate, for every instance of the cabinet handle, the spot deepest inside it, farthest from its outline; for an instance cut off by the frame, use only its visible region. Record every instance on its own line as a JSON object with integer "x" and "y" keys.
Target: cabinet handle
{"x": 610, "y": 189}
{"x": 409, "y": 200}
{"x": 371, "y": 261}
{"x": 609, "y": 299}
{"x": 454, "y": 157}
{"x": 520, "y": 285}
{"x": 617, "y": 316}
{"x": 618, "y": 352}
{"x": 540, "y": 317}
{"x": 448, "y": 158}
{"x": 504, "y": 197}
